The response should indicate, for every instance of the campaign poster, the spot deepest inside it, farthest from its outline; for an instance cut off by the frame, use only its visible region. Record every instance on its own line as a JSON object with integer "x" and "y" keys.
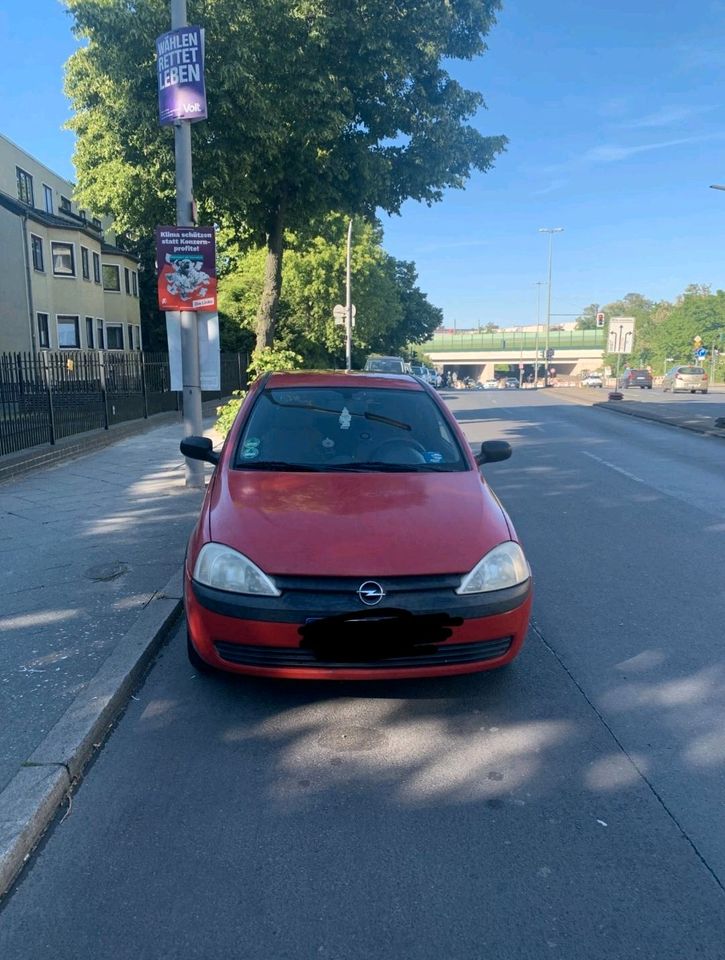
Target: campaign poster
{"x": 186, "y": 265}
{"x": 180, "y": 73}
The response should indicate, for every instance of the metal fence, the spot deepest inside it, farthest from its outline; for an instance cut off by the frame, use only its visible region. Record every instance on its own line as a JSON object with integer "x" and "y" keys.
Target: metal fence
{"x": 52, "y": 395}
{"x": 516, "y": 340}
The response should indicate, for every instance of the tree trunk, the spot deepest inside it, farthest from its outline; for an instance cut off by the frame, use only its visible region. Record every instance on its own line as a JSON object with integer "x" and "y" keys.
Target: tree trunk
{"x": 267, "y": 313}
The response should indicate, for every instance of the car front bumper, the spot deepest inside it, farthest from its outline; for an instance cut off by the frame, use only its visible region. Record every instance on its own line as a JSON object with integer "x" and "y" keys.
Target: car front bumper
{"x": 260, "y": 636}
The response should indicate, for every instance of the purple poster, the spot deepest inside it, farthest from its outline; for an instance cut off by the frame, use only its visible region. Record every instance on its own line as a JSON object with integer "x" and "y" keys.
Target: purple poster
{"x": 180, "y": 67}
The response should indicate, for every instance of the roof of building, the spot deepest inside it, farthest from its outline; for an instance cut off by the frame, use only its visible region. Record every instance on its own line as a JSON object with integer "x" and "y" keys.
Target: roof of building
{"x": 60, "y": 221}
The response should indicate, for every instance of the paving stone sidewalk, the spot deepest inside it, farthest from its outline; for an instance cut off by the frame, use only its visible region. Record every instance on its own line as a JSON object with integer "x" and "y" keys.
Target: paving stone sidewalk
{"x": 84, "y": 547}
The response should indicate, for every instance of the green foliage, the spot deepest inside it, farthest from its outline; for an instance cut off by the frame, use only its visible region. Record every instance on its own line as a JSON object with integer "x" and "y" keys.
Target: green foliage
{"x": 314, "y": 106}
{"x": 665, "y": 330}
{"x": 228, "y": 411}
{"x": 271, "y": 360}
{"x": 391, "y": 309}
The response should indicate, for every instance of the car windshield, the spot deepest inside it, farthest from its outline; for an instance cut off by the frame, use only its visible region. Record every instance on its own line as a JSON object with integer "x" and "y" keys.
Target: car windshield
{"x": 385, "y": 366}
{"x": 347, "y": 429}
{"x": 694, "y": 371}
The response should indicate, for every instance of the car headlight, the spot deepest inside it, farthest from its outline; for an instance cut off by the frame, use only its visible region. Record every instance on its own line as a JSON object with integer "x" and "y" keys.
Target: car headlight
{"x": 504, "y": 566}
{"x": 225, "y": 569}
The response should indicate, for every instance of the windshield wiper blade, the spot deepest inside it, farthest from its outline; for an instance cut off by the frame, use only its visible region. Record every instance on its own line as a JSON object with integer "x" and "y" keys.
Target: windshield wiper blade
{"x": 278, "y": 465}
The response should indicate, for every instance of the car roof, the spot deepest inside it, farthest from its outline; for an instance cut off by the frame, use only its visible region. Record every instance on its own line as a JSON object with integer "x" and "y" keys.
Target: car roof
{"x": 335, "y": 378}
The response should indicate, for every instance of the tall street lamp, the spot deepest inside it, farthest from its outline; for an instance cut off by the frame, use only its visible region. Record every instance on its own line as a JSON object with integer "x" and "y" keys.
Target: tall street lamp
{"x": 551, "y": 231}
{"x": 539, "y": 285}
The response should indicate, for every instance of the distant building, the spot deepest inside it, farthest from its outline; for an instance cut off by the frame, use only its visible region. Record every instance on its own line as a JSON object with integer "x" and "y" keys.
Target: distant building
{"x": 62, "y": 286}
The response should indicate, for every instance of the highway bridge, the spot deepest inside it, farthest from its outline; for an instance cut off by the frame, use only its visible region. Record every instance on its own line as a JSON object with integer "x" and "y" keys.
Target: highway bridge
{"x": 478, "y": 355}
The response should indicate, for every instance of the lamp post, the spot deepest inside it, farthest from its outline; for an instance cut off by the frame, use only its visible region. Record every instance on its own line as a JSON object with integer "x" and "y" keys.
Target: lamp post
{"x": 348, "y": 302}
{"x": 539, "y": 285}
{"x": 551, "y": 231}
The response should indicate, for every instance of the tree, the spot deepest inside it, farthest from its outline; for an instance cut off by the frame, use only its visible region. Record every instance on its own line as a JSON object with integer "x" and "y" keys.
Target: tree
{"x": 391, "y": 309}
{"x": 314, "y": 106}
{"x": 587, "y": 319}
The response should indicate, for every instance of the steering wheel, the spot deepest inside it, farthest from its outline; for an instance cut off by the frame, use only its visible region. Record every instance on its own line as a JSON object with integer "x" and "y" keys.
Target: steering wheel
{"x": 408, "y": 451}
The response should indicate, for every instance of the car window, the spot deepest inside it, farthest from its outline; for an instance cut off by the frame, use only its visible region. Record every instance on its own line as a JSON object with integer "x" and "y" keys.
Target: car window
{"x": 691, "y": 370}
{"x": 385, "y": 366}
{"x": 333, "y": 428}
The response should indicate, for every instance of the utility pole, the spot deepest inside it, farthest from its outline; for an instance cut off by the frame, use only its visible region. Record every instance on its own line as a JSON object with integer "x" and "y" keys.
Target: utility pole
{"x": 190, "y": 373}
{"x": 551, "y": 231}
{"x": 348, "y": 303}
{"x": 539, "y": 284}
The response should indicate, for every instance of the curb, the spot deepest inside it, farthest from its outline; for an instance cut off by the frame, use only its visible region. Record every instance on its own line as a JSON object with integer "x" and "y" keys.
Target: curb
{"x": 29, "y": 802}
{"x": 614, "y": 407}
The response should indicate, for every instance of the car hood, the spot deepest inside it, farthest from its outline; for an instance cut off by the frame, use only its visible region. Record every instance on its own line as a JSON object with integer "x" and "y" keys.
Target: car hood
{"x": 360, "y": 524}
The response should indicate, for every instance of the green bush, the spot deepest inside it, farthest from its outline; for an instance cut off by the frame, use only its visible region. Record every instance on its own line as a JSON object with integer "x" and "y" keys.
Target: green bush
{"x": 228, "y": 411}
{"x": 268, "y": 360}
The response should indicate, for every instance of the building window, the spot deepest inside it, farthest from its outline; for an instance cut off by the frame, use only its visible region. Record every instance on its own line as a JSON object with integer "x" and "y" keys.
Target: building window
{"x": 89, "y": 333}
{"x": 111, "y": 277}
{"x": 25, "y": 186}
{"x": 64, "y": 263}
{"x": 36, "y": 245}
{"x": 83, "y": 215}
{"x": 69, "y": 336}
{"x": 127, "y": 280}
{"x": 97, "y": 268}
{"x": 134, "y": 279}
{"x": 65, "y": 204}
{"x": 48, "y": 198}
{"x": 137, "y": 334}
{"x": 99, "y": 331}
{"x": 114, "y": 336}
{"x": 85, "y": 264}
{"x": 43, "y": 331}
{"x": 97, "y": 223}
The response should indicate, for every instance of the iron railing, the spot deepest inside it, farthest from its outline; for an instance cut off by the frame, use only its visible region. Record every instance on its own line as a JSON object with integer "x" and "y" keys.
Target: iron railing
{"x": 52, "y": 395}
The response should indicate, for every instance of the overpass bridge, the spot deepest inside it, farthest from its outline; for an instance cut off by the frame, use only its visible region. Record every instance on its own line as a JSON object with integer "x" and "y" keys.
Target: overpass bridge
{"x": 477, "y": 355}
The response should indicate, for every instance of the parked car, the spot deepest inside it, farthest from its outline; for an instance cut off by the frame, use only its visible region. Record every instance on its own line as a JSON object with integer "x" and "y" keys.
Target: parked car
{"x": 512, "y": 383}
{"x": 682, "y": 379}
{"x": 593, "y": 380}
{"x": 386, "y": 365}
{"x": 637, "y": 378}
{"x": 490, "y": 384}
{"x": 302, "y": 563}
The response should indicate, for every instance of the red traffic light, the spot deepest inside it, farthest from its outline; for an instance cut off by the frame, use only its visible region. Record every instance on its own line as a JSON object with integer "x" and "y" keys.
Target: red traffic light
{"x": 600, "y": 319}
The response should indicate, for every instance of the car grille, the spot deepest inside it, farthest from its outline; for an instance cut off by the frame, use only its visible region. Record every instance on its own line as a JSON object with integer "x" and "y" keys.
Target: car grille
{"x": 445, "y": 655}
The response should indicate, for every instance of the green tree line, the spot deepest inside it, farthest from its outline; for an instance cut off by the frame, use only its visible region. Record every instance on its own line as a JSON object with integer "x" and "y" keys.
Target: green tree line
{"x": 315, "y": 107}
{"x": 665, "y": 331}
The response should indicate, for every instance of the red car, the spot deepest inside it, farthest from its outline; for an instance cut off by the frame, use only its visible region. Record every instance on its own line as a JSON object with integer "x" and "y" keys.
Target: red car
{"x": 347, "y": 533}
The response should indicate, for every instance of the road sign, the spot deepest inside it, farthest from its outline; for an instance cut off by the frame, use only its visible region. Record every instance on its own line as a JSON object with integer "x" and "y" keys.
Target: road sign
{"x": 339, "y": 315}
{"x": 620, "y": 338}
{"x": 702, "y": 352}
{"x": 697, "y": 339}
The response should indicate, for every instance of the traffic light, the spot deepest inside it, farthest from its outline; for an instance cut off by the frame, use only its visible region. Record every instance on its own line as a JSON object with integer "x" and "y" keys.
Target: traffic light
{"x": 600, "y": 319}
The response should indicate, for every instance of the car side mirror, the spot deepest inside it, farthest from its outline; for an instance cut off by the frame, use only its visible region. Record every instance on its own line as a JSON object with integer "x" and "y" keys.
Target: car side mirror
{"x": 492, "y": 451}
{"x": 199, "y": 448}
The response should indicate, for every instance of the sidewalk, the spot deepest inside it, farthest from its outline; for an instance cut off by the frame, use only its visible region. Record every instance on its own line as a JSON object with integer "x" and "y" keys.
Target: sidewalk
{"x": 89, "y": 547}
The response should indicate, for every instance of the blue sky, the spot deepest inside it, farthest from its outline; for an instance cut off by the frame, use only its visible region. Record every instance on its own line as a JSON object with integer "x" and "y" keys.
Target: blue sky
{"x": 614, "y": 114}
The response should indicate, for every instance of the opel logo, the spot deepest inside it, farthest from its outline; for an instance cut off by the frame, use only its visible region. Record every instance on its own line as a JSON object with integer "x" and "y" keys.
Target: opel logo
{"x": 370, "y": 593}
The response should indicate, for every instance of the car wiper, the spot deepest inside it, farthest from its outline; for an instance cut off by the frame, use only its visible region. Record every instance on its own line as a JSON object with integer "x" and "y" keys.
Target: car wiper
{"x": 283, "y": 465}
{"x": 381, "y": 466}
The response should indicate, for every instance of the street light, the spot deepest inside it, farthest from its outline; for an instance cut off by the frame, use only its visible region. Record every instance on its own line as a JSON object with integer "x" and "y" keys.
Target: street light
{"x": 539, "y": 284}
{"x": 551, "y": 231}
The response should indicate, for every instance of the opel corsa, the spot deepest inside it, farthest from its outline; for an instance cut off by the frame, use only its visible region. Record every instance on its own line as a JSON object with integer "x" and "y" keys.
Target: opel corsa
{"x": 347, "y": 533}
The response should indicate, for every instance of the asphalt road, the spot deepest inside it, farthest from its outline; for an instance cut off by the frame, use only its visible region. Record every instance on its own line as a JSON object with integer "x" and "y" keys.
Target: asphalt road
{"x": 568, "y": 807}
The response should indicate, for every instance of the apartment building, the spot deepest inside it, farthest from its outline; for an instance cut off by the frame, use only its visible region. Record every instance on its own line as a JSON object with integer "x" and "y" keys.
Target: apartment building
{"x": 65, "y": 283}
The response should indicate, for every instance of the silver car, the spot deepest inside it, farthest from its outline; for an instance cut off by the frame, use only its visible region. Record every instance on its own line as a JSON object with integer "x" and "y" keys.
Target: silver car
{"x": 685, "y": 379}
